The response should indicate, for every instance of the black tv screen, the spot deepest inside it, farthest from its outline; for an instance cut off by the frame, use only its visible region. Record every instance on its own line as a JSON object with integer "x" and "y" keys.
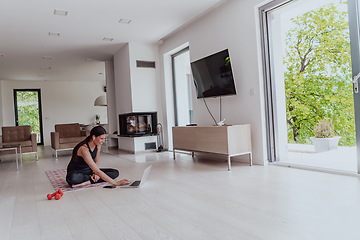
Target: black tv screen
{"x": 213, "y": 75}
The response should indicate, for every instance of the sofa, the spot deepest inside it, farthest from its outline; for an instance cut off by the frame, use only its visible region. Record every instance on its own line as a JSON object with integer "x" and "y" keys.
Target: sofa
{"x": 19, "y": 135}
{"x": 67, "y": 136}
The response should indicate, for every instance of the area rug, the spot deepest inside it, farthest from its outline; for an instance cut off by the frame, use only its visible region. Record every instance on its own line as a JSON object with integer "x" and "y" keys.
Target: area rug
{"x": 57, "y": 179}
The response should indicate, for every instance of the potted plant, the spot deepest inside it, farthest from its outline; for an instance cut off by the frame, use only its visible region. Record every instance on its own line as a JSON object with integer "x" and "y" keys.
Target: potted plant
{"x": 97, "y": 119}
{"x": 324, "y": 139}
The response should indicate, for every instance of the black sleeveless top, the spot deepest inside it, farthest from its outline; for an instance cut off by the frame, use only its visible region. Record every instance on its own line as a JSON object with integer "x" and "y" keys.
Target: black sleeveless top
{"x": 78, "y": 164}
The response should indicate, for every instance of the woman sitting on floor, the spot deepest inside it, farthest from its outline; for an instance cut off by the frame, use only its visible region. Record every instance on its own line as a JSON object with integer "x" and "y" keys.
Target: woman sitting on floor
{"x": 83, "y": 168}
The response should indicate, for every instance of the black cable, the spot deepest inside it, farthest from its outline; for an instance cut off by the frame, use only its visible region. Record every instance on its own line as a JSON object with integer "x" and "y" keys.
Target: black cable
{"x": 220, "y": 110}
{"x": 210, "y": 112}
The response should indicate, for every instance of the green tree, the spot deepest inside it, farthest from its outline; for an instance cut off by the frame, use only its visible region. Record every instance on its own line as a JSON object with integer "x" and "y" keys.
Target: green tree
{"x": 318, "y": 75}
{"x": 28, "y": 110}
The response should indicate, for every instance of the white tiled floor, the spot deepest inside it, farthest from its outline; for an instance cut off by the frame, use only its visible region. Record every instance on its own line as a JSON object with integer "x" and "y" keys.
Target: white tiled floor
{"x": 187, "y": 198}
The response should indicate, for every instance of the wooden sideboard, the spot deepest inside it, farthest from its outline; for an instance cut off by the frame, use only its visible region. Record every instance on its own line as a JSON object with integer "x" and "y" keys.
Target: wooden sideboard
{"x": 231, "y": 141}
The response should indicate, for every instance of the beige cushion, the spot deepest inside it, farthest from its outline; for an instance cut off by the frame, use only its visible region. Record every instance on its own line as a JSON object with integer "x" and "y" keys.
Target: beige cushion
{"x": 16, "y": 134}
{"x": 68, "y": 130}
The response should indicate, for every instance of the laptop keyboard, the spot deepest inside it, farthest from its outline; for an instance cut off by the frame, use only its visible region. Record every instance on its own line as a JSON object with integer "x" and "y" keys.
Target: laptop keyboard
{"x": 136, "y": 183}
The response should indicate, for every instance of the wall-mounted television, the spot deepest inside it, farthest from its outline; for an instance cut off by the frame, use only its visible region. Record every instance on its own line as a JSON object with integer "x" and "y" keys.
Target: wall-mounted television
{"x": 213, "y": 75}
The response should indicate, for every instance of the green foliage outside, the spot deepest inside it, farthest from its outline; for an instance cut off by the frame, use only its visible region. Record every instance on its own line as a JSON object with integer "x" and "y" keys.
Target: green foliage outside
{"x": 28, "y": 110}
{"x": 318, "y": 75}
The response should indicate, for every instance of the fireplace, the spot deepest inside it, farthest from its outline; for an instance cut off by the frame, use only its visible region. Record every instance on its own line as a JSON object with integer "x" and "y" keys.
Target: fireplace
{"x": 137, "y": 124}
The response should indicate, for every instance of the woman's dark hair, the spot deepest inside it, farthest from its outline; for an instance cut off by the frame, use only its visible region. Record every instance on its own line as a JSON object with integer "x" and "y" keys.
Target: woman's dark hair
{"x": 95, "y": 131}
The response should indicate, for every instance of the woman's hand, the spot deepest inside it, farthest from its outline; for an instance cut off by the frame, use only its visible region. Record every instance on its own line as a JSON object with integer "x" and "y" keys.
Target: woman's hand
{"x": 122, "y": 182}
{"x": 95, "y": 177}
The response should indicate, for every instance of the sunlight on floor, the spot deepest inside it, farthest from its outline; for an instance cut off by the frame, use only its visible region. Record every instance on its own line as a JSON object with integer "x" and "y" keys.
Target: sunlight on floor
{"x": 343, "y": 158}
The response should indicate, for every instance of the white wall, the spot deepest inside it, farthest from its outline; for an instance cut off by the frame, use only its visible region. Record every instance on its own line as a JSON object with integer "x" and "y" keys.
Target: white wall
{"x": 122, "y": 81}
{"x": 110, "y": 94}
{"x": 137, "y": 89}
{"x": 1, "y": 101}
{"x": 232, "y": 25}
{"x": 144, "y": 81}
{"x": 62, "y": 102}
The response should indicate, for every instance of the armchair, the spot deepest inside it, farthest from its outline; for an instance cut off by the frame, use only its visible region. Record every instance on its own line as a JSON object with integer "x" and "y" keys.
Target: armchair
{"x": 66, "y": 136}
{"x": 19, "y": 135}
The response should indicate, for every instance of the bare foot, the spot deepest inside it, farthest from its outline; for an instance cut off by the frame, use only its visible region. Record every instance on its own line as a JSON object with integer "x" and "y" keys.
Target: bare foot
{"x": 81, "y": 184}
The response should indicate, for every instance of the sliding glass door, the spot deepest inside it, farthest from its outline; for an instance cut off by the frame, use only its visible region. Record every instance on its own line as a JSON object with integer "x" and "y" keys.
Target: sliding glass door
{"x": 28, "y": 110}
{"x": 354, "y": 26}
{"x": 308, "y": 80}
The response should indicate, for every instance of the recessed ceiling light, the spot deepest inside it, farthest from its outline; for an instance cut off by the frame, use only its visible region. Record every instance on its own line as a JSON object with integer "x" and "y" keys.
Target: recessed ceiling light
{"x": 60, "y": 12}
{"x": 124, "y": 21}
{"x": 54, "y": 34}
{"x": 108, "y": 39}
{"x": 47, "y": 57}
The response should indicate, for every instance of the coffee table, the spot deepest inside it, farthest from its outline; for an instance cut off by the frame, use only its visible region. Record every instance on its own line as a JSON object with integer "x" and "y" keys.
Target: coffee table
{"x": 12, "y": 146}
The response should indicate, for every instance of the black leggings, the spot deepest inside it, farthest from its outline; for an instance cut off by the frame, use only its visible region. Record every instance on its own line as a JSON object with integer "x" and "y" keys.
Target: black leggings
{"x": 74, "y": 178}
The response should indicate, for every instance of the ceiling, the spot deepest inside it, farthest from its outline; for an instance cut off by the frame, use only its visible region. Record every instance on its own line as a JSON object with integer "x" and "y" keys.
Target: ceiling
{"x": 88, "y": 35}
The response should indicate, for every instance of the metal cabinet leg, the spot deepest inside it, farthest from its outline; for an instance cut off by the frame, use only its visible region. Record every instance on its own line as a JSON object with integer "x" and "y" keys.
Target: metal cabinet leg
{"x": 229, "y": 163}
{"x": 17, "y": 160}
{"x": 20, "y": 155}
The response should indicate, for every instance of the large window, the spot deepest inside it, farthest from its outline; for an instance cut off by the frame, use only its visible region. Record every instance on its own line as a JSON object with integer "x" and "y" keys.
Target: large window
{"x": 182, "y": 82}
{"x": 28, "y": 110}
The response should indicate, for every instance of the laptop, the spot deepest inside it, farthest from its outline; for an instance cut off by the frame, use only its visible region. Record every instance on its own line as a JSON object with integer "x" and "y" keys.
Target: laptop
{"x": 138, "y": 183}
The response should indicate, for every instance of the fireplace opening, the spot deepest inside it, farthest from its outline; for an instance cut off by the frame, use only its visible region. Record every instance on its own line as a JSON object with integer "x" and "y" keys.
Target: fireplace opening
{"x": 137, "y": 124}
